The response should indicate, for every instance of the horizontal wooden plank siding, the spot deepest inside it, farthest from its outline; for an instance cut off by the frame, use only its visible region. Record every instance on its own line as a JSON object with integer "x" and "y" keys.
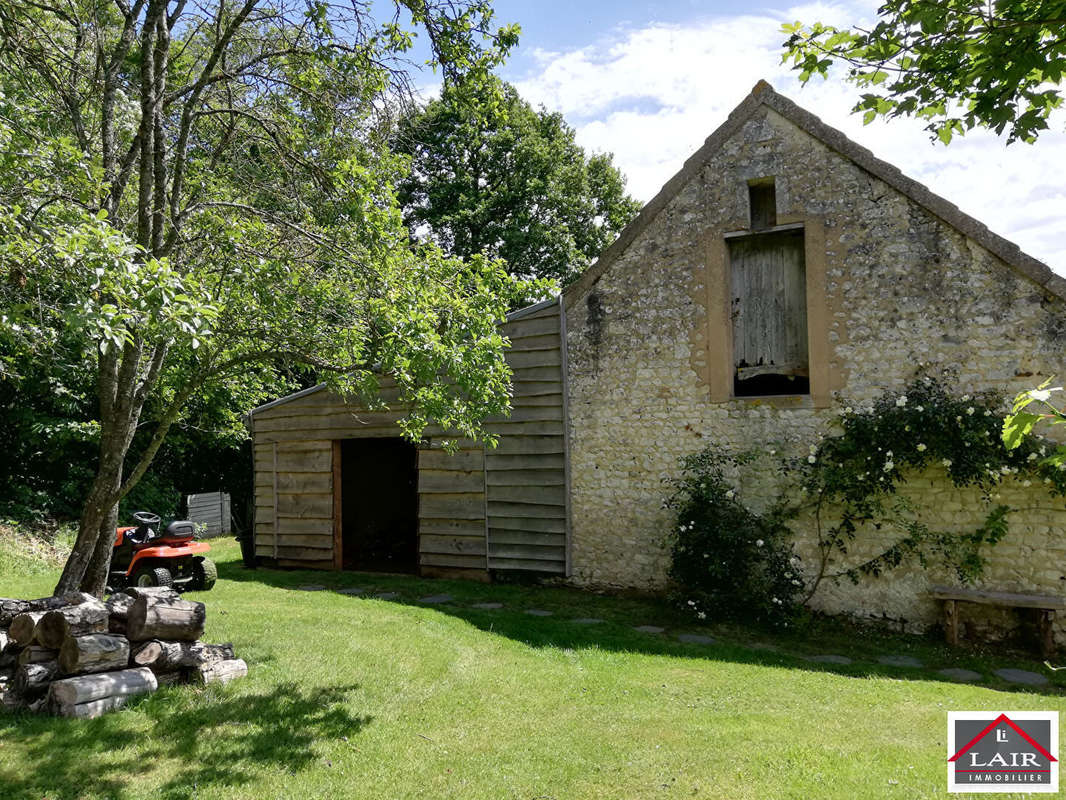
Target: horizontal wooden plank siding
{"x": 525, "y": 480}
{"x": 504, "y": 509}
{"x": 451, "y": 509}
{"x": 296, "y": 526}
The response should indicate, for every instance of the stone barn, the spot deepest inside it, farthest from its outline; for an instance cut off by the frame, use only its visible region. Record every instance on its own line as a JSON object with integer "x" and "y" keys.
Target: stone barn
{"x": 780, "y": 236}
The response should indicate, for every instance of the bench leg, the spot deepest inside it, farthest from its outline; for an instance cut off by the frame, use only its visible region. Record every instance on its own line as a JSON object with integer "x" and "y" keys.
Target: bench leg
{"x": 1047, "y": 633}
{"x": 951, "y": 623}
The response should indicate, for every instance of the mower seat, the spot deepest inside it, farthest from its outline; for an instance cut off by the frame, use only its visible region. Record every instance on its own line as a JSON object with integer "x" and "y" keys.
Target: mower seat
{"x": 180, "y": 529}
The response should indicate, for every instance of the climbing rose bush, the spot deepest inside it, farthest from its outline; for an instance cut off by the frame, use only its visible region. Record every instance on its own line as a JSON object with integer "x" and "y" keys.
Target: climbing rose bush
{"x": 729, "y": 562}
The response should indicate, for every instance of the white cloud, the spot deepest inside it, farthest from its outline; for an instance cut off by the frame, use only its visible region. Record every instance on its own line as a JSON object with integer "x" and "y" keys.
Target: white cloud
{"x": 652, "y": 95}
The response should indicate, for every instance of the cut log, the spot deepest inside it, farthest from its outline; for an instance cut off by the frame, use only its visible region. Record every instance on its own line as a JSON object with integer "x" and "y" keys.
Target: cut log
{"x": 86, "y": 688}
{"x": 222, "y": 671}
{"x": 118, "y": 604}
{"x": 152, "y": 592}
{"x": 35, "y": 654}
{"x": 173, "y": 678}
{"x": 23, "y": 628}
{"x": 31, "y": 680}
{"x": 10, "y": 700}
{"x": 74, "y": 599}
{"x": 165, "y": 656}
{"x": 169, "y": 620}
{"x": 94, "y": 652}
{"x": 118, "y": 607}
{"x": 92, "y": 709}
{"x": 9, "y": 609}
{"x": 5, "y": 640}
{"x": 55, "y": 626}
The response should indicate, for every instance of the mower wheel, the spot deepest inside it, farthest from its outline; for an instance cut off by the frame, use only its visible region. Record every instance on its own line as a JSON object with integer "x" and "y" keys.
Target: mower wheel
{"x": 204, "y": 574}
{"x": 152, "y": 576}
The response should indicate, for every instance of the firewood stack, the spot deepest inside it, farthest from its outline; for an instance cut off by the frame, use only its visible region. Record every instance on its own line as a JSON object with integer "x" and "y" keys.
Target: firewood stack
{"x": 76, "y": 656}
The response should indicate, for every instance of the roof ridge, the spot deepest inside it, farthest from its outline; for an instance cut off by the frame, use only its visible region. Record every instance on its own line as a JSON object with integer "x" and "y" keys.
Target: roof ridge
{"x": 764, "y": 94}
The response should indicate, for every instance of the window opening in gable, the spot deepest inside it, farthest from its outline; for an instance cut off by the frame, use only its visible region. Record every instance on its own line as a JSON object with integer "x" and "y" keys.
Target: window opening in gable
{"x": 762, "y": 203}
{"x": 769, "y": 314}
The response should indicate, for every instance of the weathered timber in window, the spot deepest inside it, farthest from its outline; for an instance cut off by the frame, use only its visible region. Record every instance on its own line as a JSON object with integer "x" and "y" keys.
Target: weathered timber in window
{"x": 769, "y": 314}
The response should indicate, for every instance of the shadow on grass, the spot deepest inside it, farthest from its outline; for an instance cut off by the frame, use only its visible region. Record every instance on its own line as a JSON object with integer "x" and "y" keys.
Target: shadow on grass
{"x": 212, "y": 738}
{"x": 621, "y": 614}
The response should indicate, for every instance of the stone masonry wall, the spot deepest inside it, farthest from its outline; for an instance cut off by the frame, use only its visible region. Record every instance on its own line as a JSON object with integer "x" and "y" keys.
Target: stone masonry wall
{"x": 903, "y": 289}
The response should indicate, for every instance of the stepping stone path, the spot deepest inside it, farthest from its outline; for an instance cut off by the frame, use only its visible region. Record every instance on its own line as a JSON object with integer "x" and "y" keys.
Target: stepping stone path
{"x": 538, "y": 612}
{"x": 695, "y": 638}
{"x": 587, "y": 621}
{"x": 313, "y": 587}
{"x": 1021, "y": 676}
{"x": 351, "y": 590}
{"x": 387, "y": 595}
{"x": 830, "y": 659}
{"x": 959, "y": 674}
{"x": 487, "y": 605}
{"x": 435, "y": 599}
{"x": 900, "y": 661}
{"x": 649, "y": 629}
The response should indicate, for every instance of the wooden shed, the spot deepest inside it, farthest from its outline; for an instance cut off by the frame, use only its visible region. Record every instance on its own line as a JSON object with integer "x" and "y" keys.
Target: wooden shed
{"x": 336, "y": 487}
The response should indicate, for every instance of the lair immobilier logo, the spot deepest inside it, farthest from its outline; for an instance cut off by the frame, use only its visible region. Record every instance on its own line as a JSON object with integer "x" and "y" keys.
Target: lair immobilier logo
{"x": 1014, "y": 751}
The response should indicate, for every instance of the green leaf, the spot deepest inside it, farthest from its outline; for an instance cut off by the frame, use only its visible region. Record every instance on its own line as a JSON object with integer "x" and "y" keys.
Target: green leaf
{"x": 1018, "y": 426}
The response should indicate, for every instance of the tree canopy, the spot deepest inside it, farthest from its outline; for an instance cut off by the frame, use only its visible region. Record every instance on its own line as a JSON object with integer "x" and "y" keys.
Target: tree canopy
{"x": 193, "y": 194}
{"x": 957, "y": 64}
{"x": 490, "y": 174}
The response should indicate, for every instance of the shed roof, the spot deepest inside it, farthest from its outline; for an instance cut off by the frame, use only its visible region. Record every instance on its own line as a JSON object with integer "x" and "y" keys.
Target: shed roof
{"x": 764, "y": 95}
{"x": 511, "y": 317}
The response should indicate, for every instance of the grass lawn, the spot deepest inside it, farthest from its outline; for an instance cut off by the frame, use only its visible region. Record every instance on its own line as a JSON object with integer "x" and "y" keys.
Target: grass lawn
{"x": 352, "y": 696}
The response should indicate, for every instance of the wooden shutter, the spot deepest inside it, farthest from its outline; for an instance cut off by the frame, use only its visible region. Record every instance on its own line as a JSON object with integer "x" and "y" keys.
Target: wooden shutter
{"x": 769, "y": 304}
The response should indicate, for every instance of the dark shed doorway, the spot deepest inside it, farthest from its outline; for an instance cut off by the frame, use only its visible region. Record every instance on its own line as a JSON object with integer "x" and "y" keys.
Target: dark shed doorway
{"x": 379, "y": 505}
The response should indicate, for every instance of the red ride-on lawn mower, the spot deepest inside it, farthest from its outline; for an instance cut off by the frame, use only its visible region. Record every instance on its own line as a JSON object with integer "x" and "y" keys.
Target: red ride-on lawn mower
{"x": 142, "y": 556}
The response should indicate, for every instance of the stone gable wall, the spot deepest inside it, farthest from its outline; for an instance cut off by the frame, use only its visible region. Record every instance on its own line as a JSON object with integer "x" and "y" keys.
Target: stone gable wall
{"x": 902, "y": 288}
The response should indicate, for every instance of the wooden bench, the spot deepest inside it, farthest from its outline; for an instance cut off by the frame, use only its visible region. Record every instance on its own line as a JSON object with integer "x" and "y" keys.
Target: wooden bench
{"x": 1044, "y": 605}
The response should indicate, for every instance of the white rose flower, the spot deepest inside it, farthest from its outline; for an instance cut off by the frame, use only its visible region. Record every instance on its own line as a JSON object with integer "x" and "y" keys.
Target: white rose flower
{"x": 969, "y": 411}
{"x": 730, "y": 494}
{"x": 1043, "y": 395}
{"x": 946, "y": 462}
{"x": 901, "y": 401}
{"x": 921, "y": 447}
{"x": 889, "y": 465}
{"x": 811, "y": 459}
{"x": 759, "y": 542}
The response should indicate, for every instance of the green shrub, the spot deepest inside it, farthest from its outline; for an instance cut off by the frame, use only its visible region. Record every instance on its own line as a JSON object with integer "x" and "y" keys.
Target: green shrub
{"x": 729, "y": 562}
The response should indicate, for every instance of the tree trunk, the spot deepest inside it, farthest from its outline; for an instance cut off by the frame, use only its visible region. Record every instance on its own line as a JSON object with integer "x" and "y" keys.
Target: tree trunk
{"x": 166, "y": 656}
{"x": 96, "y": 652}
{"x": 222, "y": 671}
{"x": 175, "y": 620}
{"x": 96, "y": 574}
{"x": 86, "y": 688}
{"x": 97, "y": 510}
{"x": 55, "y": 626}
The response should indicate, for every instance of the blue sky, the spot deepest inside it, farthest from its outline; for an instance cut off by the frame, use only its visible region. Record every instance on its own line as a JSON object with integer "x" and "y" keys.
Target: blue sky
{"x": 649, "y": 81}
